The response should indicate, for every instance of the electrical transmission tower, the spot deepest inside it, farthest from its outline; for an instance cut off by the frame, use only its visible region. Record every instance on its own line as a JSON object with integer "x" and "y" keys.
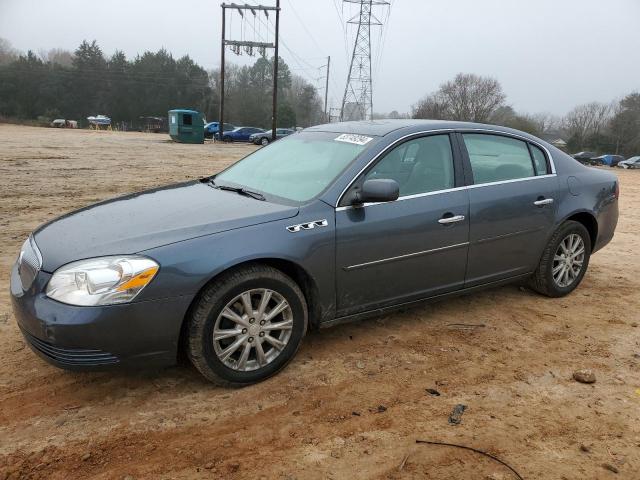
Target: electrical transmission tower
{"x": 357, "y": 102}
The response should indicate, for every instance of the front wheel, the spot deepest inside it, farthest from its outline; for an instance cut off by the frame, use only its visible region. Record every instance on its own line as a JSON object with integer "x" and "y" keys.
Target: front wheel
{"x": 264, "y": 141}
{"x": 564, "y": 261}
{"x": 247, "y": 325}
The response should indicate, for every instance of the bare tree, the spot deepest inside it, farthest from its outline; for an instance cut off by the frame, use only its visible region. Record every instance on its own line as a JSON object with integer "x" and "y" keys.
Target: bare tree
{"x": 7, "y": 53}
{"x": 432, "y": 107}
{"x": 467, "y": 97}
{"x": 56, "y": 56}
{"x": 546, "y": 122}
{"x": 586, "y": 121}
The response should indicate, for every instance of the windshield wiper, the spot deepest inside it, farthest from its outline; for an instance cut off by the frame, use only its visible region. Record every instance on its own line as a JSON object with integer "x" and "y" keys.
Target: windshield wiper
{"x": 240, "y": 190}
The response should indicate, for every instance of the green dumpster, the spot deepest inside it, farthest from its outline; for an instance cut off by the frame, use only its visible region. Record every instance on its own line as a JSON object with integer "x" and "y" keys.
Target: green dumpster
{"x": 186, "y": 126}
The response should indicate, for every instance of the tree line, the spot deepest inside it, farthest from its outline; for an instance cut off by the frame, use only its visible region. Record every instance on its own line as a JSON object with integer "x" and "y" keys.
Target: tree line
{"x": 599, "y": 127}
{"x": 74, "y": 85}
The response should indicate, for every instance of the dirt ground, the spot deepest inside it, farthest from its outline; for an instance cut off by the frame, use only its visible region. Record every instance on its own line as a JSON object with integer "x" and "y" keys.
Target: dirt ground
{"x": 354, "y": 401}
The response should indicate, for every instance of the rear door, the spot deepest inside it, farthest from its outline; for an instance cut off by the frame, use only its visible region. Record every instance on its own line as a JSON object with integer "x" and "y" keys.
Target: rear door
{"x": 411, "y": 248}
{"x": 511, "y": 205}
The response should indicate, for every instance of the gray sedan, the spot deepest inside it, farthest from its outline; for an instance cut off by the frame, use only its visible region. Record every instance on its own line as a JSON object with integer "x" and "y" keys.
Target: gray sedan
{"x": 264, "y": 138}
{"x": 334, "y": 224}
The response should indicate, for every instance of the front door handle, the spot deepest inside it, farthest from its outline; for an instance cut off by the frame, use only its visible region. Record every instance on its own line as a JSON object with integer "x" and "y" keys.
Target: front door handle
{"x": 453, "y": 219}
{"x": 543, "y": 201}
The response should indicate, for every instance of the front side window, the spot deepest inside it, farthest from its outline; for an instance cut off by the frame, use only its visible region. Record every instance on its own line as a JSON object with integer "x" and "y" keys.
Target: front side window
{"x": 420, "y": 165}
{"x": 296, "y": 168}
{"x": 495, "y": 158}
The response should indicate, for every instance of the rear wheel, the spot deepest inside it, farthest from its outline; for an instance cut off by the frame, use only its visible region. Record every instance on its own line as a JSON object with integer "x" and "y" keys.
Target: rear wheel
{"x": 227, "y": 139}
{"x": 564, "y": 261}
{"x": 247, "y": 326}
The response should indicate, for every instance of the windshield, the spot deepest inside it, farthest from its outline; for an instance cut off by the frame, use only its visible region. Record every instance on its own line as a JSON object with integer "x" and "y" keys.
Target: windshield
{"x": 298, "y": 167}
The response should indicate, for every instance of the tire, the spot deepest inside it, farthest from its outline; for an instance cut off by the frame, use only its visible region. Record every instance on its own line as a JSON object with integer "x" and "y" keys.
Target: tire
{"x": 227, "y": 139}
{"x": 264, "y": 141}
{"x": 543, "y": 280}
{"x": 207, "y": 354}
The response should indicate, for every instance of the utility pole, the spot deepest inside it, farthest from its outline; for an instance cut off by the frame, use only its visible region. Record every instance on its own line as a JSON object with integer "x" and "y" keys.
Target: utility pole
{"x": 326, "y": 91}
{"x": 358, "y": 92}
{"x": 222, "y": 52}
{"x": 274, "y": 123}
{"x": 249, "y": 47}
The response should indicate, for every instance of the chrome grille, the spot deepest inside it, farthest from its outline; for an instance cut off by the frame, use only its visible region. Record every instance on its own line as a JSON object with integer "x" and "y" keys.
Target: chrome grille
{"x": 29, "y": 263}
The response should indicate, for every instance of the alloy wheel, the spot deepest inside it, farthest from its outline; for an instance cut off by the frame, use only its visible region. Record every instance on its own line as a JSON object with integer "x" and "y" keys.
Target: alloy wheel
{"x": 568, "y": 260}
{"x": 252, "y": 329}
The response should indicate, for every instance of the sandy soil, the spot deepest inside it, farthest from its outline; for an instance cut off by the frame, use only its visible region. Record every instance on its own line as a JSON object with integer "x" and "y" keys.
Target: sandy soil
{"x": 354, "y": 401}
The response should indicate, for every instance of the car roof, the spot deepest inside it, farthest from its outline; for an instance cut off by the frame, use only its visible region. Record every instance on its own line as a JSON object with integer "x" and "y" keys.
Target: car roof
{"x": 381, "y": 128}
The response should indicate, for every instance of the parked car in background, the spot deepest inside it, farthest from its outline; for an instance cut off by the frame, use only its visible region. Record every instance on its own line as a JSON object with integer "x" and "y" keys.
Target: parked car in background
{"x": 239, "y": 134}
{"x": 263, "y": 138}
{"x": 585, "y": 157}
{"x": 212, "y": 128}
{"x": 633, "y": 162}
{"x": 608, "y": 160}
{"x": 62, "y": 123}
{"x": 336, "y": 223}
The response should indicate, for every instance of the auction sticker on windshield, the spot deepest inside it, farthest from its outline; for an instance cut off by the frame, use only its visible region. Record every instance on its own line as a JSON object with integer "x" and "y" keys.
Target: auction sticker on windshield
{"x": 352, "y": 138}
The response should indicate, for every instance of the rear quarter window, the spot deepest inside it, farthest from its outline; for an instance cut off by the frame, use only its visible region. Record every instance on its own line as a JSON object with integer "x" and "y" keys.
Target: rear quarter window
{"x": 539, "y": 160}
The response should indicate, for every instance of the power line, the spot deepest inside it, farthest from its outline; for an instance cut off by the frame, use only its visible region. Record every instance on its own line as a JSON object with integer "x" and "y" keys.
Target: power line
{"x": 344, "y": 28}
{"x": 296, "y": 58}
{"x": 383, "y": 38}
{"x": 304, "y": 26}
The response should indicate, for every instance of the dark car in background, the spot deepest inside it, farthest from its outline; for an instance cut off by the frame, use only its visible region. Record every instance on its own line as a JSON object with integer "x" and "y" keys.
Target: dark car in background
{"x": 585, "y": 157}
{"x": 336, "y": 223}
{"x": 263, "y": 138}
{"x": 212, "y": 128}
{"x": 239, "y": 134}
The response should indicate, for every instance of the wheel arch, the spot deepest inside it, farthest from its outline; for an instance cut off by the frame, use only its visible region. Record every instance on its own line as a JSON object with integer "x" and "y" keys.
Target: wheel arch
{"x": 293, "y": 270}
{"x": 589, "y": 221}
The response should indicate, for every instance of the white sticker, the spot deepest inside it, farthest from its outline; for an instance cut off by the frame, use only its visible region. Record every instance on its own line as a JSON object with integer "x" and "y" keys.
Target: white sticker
{"x": 353, "y": 138}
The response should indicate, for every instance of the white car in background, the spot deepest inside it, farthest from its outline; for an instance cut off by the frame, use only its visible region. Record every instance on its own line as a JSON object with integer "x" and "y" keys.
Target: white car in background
{"x": 633, "y": 162}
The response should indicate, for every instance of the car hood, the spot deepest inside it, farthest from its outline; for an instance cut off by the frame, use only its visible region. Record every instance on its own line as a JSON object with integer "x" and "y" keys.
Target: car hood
{"x": 150, "y": 219}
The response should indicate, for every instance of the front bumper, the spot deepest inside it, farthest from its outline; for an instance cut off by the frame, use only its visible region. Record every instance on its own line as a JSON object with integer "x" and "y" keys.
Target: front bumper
{"x": 138, "y": 334}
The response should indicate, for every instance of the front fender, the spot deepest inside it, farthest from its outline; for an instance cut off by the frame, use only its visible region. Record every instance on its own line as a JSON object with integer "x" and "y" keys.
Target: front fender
{"x": 187, "y": 266}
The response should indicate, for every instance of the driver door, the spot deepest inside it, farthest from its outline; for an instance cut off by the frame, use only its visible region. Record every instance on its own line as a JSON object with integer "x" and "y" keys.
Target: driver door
{"x": 411, "y": 248}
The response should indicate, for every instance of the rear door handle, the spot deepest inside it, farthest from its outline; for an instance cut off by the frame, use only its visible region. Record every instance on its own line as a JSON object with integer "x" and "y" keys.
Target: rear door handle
{"x": 453, "y": 219}
{"x": 543, "y": 201}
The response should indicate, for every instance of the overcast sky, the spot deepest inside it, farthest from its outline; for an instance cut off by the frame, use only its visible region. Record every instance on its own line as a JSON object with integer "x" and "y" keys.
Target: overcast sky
{"x": 549, "y": 55}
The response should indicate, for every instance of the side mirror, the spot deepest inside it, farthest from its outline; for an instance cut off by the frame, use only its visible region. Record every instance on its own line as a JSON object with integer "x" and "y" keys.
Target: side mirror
{"x": 378, "y": 190}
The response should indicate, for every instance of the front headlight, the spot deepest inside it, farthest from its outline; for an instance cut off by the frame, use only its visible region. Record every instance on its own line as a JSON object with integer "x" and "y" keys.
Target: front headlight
{"x": 102, "y": 281}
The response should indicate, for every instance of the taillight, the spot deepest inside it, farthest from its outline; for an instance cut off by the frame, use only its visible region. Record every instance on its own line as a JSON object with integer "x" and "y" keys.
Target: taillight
{"x": 617, "y": 192}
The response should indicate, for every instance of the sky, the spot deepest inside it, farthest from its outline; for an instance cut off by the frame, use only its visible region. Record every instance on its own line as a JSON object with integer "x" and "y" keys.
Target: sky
{"x": 549, "y": 55}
